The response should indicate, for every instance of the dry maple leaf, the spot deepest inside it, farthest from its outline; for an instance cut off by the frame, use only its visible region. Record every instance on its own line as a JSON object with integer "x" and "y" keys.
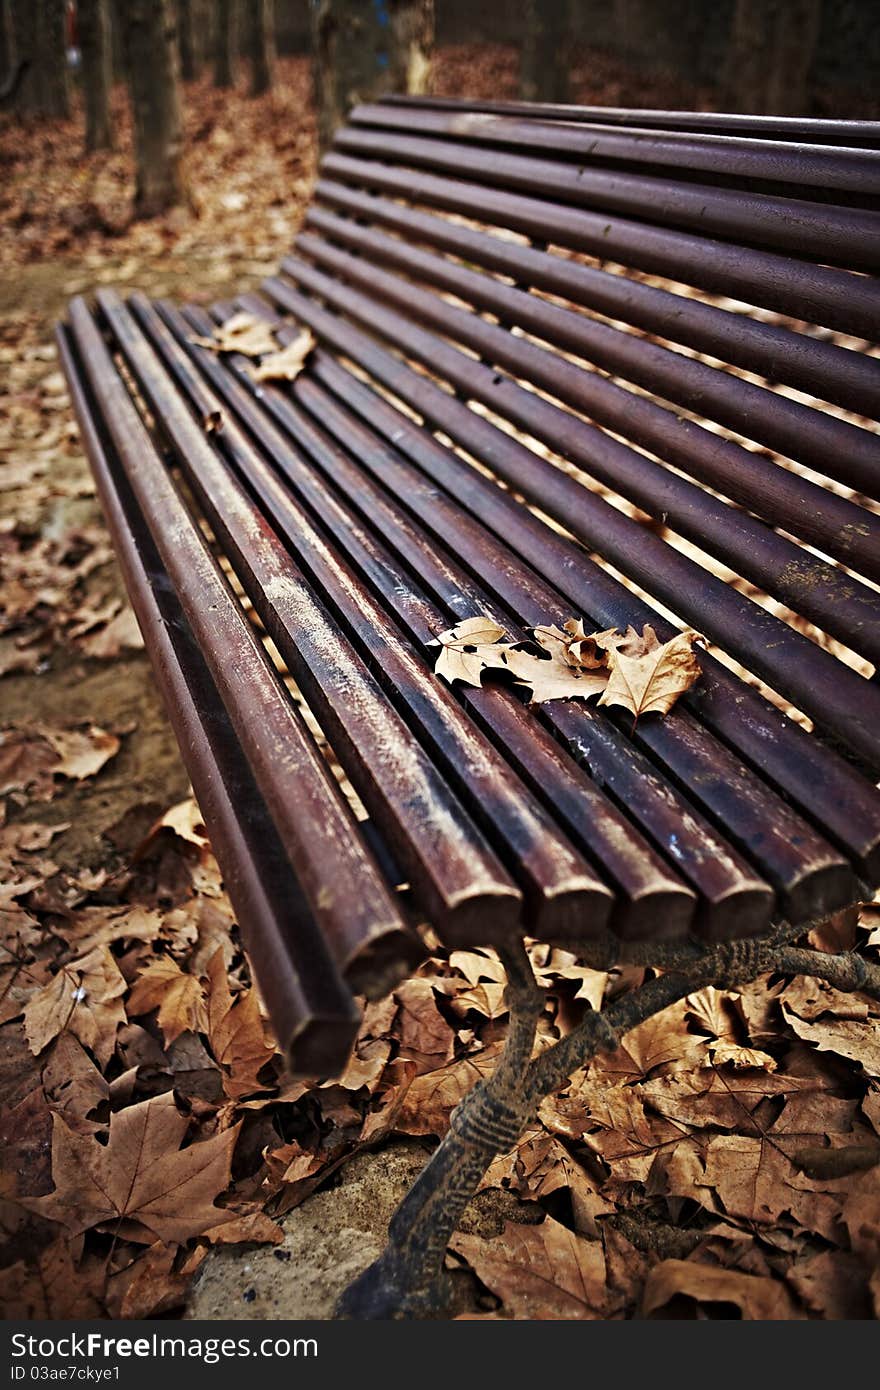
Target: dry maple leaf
{"x": 73, "y": 1086}
{"x": 236, "y": 1034}
{"x": 84, "y": 999}
{"x": 647, "y": 676}
{"x": 551, "y": 679}
{"x": 52, "y": 1287}
{"x": 474, "y": 646}
{"x": 571, "y": 644}
{"x": 243, "y": 333}
{"x": 461, "y": 648}
{"x": 179, "y": 999}
{"x": 141, "y": 1177}
{"x": 80, "y": 752}
{"x": 756, "y": 1297}
{"x": 541, "y": 1271}
{"x": 287, "y": 364}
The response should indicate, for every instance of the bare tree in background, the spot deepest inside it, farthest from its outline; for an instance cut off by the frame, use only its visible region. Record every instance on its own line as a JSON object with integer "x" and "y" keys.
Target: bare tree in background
{"x": 152, "y": 62}
{"x": 363, "y": 48}
{"x": 40, "y": 42}
{"x": 770, "y": 53}
{"x": 93, "y": 23}
{"x": 259, "y": 40}
{"x": 544, "y": 55}
{"x": 190, "y": 50}
{"x": 226, "y": 42}
{"x": 7, "y": 44}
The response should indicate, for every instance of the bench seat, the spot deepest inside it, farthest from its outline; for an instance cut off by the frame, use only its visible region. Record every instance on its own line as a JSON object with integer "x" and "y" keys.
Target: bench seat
{"x": 563, "y": 367}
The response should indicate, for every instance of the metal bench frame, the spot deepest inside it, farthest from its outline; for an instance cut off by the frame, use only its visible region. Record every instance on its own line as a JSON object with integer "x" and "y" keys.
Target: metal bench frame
{"x": 428, "y": 464}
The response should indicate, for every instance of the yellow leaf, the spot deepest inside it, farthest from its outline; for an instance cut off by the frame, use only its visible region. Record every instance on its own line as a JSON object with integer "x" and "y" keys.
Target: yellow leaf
{"x": 287, "y": 364}
{"x": 241, "y": 333}
{"x": 179, "y": 999}
{"x": 647, "y": 677}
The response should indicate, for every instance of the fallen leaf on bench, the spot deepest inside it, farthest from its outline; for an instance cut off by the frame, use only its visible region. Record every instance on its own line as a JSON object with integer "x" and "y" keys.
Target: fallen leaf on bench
{"x": 287, "y": 364}
{"x": 243, "y": 333}
{"x": 141, "y": 1176}
{"x": 461, "y": 650}
{"x": 626, "y": 669}
{"x": 555, "y": 679}
{"x": 648, "y": 676}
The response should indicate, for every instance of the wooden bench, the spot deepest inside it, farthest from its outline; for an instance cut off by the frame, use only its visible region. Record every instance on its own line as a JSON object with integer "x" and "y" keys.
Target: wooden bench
{"x": 546, "y": 384}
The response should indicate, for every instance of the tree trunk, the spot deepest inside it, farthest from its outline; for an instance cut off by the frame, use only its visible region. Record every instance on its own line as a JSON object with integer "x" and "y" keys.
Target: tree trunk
{"x": 361, "y": 51}
{"x": 189, "y": 51}
{"x": 770, "y": 53}
{"x": 545, "y": 49}
{"x": 53, "y": 53}
{"x": 97, "y": 64}
{"x": 260, "y": 44}
{"x": 226, "y": 43}
{"x": 151, "y": 51}
{"x": 40, "y": 41}
{"x": 7, "y": 45}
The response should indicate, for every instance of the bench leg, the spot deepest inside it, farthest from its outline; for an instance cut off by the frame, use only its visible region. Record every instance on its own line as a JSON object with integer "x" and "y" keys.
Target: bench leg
{"x": 408, "y": 1280}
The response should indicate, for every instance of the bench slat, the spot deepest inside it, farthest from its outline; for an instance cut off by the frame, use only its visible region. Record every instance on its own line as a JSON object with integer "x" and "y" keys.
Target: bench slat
{"x": 820, "y": 782}
{"x": 852, "y": 134}
{"x": 821, "y": 369}
{"x": 315, "y": 1015}
{"x": 804, "y": 866}
{"x": 829, "y": 234}
{"x": 722, "y": 156}
{"x": 727, "y": 882}
{"x": 817, "y": 293}
{"x": 461, "y": 881}
{"x": 831, "y": 693}
{"x": 822, "y": 442}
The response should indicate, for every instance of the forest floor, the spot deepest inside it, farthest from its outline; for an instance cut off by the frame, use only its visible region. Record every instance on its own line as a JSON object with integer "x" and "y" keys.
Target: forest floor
{"x": 726, "y": 1163}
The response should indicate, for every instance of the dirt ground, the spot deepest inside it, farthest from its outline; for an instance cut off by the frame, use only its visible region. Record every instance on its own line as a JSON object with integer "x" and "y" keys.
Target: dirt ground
{"x": 670, "y": 1177}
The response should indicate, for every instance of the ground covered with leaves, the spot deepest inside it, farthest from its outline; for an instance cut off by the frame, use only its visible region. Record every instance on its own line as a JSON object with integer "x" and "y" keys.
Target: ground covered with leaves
{"x": 726, "y": 1162}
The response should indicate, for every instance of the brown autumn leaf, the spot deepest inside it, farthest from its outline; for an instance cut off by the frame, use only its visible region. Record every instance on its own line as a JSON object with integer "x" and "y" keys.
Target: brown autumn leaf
{"x": 754, "y": 1180}
{"x": 287, "y": 364}
{"x": 431, "y": 1098}
{"x": 742, "y": 1058}
{"x": 236, "y": 1034}
{"x": 544, "y": 1271}
{"x": 687, "y": 1282}
{"x": 648, "y": 676}
{"x": 622, "y": 668}
{"x": 831, "y": 1284}
{"x": 120, "y": 634}
{"x": 540, "y": 1165}
{"x": 183, "y": 818}
{"x": 424, "y": 1034}
{"x": 51, "y": 1287}
{"x": 140, "y": 1177}
{"x": 179, "y": 999}
{"x": 83, "y": 999}
{"x": 846, "y": 1024}
{"x": 81, "y": 752}
{"x": 151, "y": 1285}
{"x": 73, "y": 1086}
{"x": 243, "y": 333}
{"x": 90, "y": 927}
